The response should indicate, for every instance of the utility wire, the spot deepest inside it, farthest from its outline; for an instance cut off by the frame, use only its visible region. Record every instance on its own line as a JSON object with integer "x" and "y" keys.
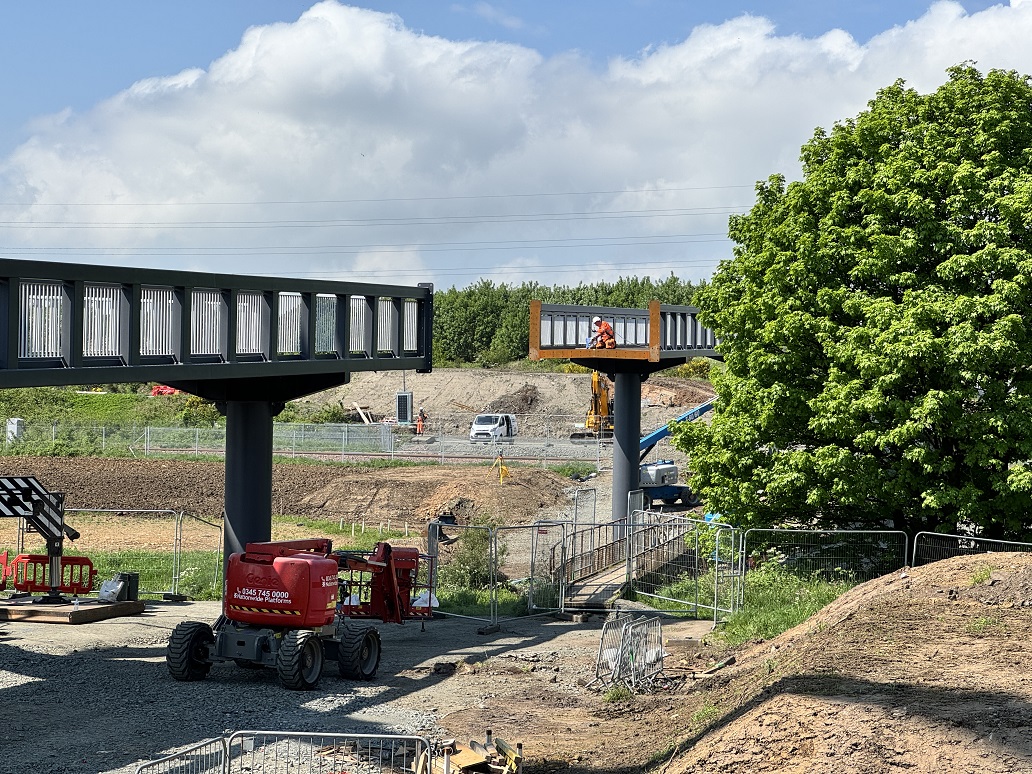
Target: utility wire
{"x": 542, "y": 195}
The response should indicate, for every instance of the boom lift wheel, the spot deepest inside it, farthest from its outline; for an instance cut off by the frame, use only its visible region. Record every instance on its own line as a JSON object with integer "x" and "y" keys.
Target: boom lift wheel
{"x": 300, "y": 660}
{"x": 187, "y": 652}
{"x": 359, "y": 653}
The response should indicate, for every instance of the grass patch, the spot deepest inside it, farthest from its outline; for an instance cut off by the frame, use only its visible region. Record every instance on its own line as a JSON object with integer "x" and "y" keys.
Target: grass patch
{"x": 476, "y": 603}
{"x": 706, "y": 714}
{"x": 983, "y": 574}
{"x": 986, "y": 626}
{"x": 574, "y": 469}
{"x": 776, "y": 600}
{"x": 617, "y": 693}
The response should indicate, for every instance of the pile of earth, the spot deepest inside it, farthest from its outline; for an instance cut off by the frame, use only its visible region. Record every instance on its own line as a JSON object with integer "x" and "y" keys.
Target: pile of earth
{"x": 402, "y": 494}
{"x": 926, "y": 669}
{"x": 522, "y": 401}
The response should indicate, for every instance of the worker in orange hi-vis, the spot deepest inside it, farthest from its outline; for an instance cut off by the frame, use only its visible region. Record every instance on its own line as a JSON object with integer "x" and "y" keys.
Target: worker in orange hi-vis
{"x": 604, "y": 337}
{"x": 503, "y": 472}
{"x": 420, "y": 421}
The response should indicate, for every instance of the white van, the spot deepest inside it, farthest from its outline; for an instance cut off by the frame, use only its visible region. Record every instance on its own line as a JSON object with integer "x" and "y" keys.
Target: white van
{"x": 488, "y": 428}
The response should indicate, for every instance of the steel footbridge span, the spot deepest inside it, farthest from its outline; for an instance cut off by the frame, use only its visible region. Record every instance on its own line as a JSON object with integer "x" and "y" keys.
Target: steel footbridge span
{"x": 249, "y": 343}
{"x": 647, "y": 340}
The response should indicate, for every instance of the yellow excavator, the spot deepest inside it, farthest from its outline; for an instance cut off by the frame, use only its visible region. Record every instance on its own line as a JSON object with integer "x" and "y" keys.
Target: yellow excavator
{"x": 599, "y": 421}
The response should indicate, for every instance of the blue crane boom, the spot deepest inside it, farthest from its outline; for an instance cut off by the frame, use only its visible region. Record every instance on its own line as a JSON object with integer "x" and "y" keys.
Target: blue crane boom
{"x": 649, "y": 441}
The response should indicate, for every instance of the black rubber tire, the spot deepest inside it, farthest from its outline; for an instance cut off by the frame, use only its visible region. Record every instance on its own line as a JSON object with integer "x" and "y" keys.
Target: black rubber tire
{"x": 187, "y": 652}
{"x": 359, "y": 653}
{"x": 299, "y": 662}
{"x": 646, "y": 502}
{"x": 692, "y": 500}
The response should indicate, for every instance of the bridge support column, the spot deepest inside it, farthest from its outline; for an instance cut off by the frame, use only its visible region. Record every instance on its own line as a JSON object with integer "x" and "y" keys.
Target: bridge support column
{"x": 626, "y": 435}
{"x": 248, "y": 472}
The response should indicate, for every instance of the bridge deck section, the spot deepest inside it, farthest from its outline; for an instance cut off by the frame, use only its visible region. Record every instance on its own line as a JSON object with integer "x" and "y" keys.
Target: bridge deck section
{"x": 69, "y": 324}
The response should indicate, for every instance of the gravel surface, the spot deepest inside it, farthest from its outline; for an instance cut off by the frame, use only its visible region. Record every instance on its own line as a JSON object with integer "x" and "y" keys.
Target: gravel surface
{"x": 98, "y": 697}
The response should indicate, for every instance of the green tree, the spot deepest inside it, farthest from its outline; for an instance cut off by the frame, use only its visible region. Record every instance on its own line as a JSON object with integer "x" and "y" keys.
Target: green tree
{"x": 874, "y": 324}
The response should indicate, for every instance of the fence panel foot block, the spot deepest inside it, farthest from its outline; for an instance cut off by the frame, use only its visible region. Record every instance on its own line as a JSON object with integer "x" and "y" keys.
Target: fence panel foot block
{"x": 90, "y": 610}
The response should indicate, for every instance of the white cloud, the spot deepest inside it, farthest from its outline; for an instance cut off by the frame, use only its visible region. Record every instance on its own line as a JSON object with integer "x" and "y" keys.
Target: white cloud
{"x": 409, "y": 144}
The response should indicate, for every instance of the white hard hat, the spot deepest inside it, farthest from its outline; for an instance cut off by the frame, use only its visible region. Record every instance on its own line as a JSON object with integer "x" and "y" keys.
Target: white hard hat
{"x": 596, "y": 320}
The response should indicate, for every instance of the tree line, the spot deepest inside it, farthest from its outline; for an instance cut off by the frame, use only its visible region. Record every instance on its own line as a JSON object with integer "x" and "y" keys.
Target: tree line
{"x": 875, "y": 327}
{"x": 488, "y": 324}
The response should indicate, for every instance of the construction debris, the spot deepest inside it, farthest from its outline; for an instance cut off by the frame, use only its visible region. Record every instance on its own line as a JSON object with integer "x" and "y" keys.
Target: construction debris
{"x": 494, "y": 756}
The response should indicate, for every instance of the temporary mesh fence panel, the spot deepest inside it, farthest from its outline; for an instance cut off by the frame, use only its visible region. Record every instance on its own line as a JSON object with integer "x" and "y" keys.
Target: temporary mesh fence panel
{"x": 933, "y": 546}
{"x": 331, "y": 439}
{"x": 686, "y": 565}
{"x": 271, "y": 752}
{"x": 466, "y": 572}
{"x": 198, "y": 557}
{"x": 207, "y": 757}
{"x": 607, "y": 660}
{"x": 297, "y": 752}
{"x": 525, "y": 582}
{"x": 857, "y": 555}
{"x": 123, "y": 541}
{"x": 585, "y": 507}
{"x": 630, "y": 652}
{"x": 340, "y": 440}
{"x": 642, "y": 651}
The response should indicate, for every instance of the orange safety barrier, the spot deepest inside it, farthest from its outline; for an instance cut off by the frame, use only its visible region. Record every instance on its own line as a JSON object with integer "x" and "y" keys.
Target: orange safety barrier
{"x": 31, "y": 572}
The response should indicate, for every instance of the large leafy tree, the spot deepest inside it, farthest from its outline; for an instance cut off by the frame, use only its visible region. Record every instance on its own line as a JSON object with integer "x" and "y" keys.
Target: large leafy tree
{"x": 875, "y": 322}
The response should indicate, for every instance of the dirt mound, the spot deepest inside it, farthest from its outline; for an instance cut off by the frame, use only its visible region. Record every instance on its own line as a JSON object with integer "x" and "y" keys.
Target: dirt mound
{"x": 924, "y": 669}
{"x": 522, "y": 401}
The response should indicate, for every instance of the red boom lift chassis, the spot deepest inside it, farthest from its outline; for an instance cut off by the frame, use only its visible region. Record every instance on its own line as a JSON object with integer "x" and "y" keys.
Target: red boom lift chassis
{"x": 292, "y": 605}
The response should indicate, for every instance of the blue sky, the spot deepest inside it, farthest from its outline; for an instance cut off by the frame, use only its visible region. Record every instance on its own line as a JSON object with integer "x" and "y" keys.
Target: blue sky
{"x": 509, "y": 140}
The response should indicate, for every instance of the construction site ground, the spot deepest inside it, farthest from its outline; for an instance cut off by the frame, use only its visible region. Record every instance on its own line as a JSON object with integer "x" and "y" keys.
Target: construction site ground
{"x": 925, "y": 669}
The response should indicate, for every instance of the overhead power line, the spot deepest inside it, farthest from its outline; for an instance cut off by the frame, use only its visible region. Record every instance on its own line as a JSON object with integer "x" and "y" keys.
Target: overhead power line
{"x": 386, "y": 200}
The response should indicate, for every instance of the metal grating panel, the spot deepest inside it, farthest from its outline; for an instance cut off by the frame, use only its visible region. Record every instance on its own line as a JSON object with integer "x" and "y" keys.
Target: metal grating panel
{"x": 290, "y": 308}
{"x": 411, "y": 335}
{"x": 205, "y": 321}
{"x": 102, "y": 320}
{"x": 386, "y": 320}
{"x": 39, "y": 333}
{"x": 325, "y": 323}
{"x": 359, "y": 324}
{"x": 250, "y": 306}
{"x": 158, "y": 321}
